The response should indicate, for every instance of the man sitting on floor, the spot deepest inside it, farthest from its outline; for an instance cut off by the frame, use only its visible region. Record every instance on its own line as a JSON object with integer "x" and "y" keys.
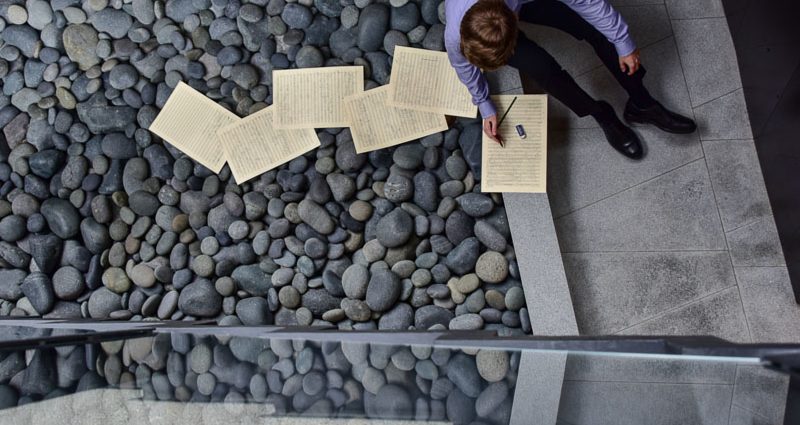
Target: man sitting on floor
{"x": 483, "y": 35}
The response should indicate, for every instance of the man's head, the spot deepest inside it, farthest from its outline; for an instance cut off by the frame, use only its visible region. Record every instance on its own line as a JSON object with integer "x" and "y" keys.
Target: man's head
{"x": 488, "y": 34}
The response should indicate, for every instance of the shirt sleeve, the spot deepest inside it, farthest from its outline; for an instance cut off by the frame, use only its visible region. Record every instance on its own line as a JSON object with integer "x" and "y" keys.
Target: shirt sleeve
{"x": 607, "y": 20}
{"x": 473, "y": 78}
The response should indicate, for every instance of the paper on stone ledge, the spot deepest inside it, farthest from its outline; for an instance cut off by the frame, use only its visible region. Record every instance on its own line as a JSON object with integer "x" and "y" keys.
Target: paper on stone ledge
{"x": 520, "y": 166}
{"x": 424, "y": 80}
{"x": 189, "y": 121}
{"x": 253, "y": 146}
{"x": 374, "y": 124}
{"x": 312, "y": 97}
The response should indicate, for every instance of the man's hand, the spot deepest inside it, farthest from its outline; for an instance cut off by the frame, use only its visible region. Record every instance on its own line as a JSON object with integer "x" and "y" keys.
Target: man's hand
{"x": 630, "y": 64}
{"x": 490, "y": 128}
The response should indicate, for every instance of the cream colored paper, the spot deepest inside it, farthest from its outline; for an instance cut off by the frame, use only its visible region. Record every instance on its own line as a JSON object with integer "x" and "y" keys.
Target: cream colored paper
{"x": 312, "y": 97}
{"x": 189, "y": 121}
{"x": 253, "y": 146}
{"x": 520, "y": 166}
{"x": 374, "y": 124}
{"x": 424, "y": 80}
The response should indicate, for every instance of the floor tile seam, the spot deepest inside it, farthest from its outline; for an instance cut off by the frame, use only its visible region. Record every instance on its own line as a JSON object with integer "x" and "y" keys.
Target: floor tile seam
{"x": 692, "y": 161}
{"x": 659, "y": 251}
{"x": 741, "y": 299}
{"x": 617, "y": 381}
{"x": 642, "y": 47}
{"x": 700, "y": 18}
{"x": 750, "y": 223}
{"x": 749, "y": 410}
{"x": 733, "y": 394}
{"x": 676, "y": 308}
{"x": 739, "y": 87}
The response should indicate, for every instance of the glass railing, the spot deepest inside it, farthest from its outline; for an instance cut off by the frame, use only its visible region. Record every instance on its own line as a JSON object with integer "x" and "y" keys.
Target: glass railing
{"x": 155, "y": 372}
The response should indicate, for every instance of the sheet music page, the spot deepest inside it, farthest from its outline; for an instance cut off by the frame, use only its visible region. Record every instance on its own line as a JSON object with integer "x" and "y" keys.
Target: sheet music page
{"x": 424, "y": 80}
{"x": 375, "y": 124}
{"x": 253, "y": 146}
{"x": 312, "y": 97}
{"x": 520, "y": 166}
{"x": 189, "y": 121}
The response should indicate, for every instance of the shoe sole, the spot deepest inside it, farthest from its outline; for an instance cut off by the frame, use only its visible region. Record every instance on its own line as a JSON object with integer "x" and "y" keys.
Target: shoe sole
{"x": 634, "y": 120}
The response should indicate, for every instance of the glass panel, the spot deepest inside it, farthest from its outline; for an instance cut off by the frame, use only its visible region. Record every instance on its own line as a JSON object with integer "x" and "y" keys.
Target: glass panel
{"x": 193, "y": 376}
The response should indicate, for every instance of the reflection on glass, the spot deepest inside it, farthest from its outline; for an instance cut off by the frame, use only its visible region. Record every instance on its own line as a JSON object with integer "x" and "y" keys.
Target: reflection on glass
{"x": 215, "y": 379}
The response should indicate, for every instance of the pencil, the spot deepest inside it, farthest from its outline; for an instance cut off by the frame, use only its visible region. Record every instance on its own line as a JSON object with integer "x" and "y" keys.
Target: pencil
{"x": 506, "y": 112}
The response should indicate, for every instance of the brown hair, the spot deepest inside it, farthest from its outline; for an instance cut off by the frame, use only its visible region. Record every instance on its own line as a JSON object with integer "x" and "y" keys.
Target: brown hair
{"x": 488, "y": 34}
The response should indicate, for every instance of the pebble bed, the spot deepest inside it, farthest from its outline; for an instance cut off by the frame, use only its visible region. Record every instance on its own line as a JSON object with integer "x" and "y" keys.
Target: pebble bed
{"x": 308, "y": 378}
{"x": 101, "y": 219}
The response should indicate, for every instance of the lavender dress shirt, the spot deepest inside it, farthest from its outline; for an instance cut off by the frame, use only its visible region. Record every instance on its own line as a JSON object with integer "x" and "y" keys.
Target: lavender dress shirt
{"x": 596, "y": 12}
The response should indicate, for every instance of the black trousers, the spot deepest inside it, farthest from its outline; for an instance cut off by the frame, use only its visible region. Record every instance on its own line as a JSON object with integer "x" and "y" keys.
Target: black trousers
{"x": 532, "y": 60}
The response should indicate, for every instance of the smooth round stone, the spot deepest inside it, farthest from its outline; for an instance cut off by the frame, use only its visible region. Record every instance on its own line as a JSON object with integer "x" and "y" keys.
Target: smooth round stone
{"x": 68, "y": 283}
{"x": 238, "y": 230}
{"x": 492, "y": 364}
{"x": 289, "y": 297}
{"x": 296, "y": 16}
{"x": 383, "y": 290}
{"x": 360, "y": 210}
{"x": 115, "y": 279}
{"x": 200, "y": 299}
{"x": 356, "y": 310}
{"x": 354, "y": 281}
{"x": 309, "y": 57}
{"x": 515, "y": 298}
{"x": 395, "y": 228}
{"x": 16, "y": 14}
{"x": 169, "y": 303}
{"x": 468, "y": 321}
{"x": 349, "y": 16}
{"x": 492, "y": 267}
{"x": 495, "y": 299}
{"x": 102, "y": 302}
{"x": 467, "y": 283}
{"x": 37, "y": 287}
{"x": 123, "y": 76}
{"x": 203, "y": 265}
{"x": 253, "y": 311}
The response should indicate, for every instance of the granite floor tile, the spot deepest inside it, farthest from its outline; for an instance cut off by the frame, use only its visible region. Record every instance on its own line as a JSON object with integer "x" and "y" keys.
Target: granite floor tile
{"x": 756, "y": 244}
{"x": 769, "y": 304}
{"x": 708, "y": 58}
{"x": 694, "y": 9}
{"x": 542, "y": 273}
{"x": 623, "y": 403}
{"x": 761, "y": 391}
{"x": 737, "y": 180}
{"x": 583, "y": 168}
{"x": 503, "y": 80}
{"x": 724, "y": 118}
{"x": 719, "y": 315}
{"x": 613, "y": 291}
{"x": 675, "y": 211}
{"x": 615, "y": 368}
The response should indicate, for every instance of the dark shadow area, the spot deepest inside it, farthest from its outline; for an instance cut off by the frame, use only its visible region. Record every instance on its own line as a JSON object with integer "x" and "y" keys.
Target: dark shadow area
{"x": 767, "y": 41}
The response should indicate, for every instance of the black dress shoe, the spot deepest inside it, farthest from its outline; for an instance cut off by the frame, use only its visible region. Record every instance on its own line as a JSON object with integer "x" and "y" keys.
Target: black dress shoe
{"x": 660, "y": 117}
{"x": 619, "y": 135}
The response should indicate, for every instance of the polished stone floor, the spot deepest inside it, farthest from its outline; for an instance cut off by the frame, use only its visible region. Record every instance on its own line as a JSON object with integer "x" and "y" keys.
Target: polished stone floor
{"x": 684, "y": 241}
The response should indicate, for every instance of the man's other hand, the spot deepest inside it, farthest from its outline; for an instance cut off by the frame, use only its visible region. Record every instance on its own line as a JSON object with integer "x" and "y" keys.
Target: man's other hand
{"x": 630, "y": 64}
{"x": 490, "y": 128}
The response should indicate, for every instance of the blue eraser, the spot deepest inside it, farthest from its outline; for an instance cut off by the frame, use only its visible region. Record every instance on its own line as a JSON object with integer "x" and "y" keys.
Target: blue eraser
{"x": 521, "y": 131}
